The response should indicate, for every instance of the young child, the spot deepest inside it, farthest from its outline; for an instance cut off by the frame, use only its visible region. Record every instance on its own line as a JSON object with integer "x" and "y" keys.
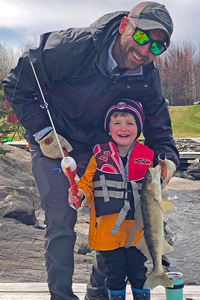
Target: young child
{"x": 112, "y": 183}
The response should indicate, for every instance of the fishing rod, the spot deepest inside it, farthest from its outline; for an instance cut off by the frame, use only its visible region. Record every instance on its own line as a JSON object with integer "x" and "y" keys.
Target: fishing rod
{"x": 68, "y": 164}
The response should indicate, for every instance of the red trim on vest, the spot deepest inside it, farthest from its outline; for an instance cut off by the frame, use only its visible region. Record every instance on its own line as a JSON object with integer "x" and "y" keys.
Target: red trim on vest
{"x": 141, "y": 157}
{"x": 108, "y": 160}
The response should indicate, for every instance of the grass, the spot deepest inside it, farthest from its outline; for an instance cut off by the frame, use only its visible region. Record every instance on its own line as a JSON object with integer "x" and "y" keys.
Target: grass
{"x": 185, "y": 121}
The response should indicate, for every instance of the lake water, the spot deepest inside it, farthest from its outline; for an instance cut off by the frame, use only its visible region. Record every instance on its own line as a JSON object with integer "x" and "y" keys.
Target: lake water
{"x": 185, "y": 224}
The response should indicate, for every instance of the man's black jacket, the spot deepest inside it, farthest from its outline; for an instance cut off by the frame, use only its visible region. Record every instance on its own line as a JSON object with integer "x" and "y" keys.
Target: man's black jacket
{"x": 71, "y": 67}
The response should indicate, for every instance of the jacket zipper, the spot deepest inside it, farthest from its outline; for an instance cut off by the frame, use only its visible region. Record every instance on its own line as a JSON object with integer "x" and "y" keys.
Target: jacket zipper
{"x": 96, "y": 224}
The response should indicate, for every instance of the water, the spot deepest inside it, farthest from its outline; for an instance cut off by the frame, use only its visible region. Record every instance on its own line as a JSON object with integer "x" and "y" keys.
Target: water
{"x": 185, "y": 223}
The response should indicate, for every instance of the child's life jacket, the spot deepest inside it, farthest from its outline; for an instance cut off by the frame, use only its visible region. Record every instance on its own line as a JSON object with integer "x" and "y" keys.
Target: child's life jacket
{"x": 117, "y": 189}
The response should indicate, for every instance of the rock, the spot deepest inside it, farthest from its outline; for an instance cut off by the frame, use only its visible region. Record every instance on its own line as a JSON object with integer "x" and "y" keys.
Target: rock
{"x": 178, "y": 174}
{"x": 196, "y": 103}
{"x": 21, "y": 252}
{"x": 194, "y": 167}
{"x": 187, "y": 145}
{"x": 19, "y": 208}
{"x": 187, "y": 176}
{"x": 18, "y": 193}
{"x": 193, "y": 171}
{"x": 17, "y": 158}
{"x": 182, "y": 184}
{"x": 22, "y": 191}
{"x": 196, "y": 176}
{"x": 81, "y": 246}
{"x": 22, "y": 246}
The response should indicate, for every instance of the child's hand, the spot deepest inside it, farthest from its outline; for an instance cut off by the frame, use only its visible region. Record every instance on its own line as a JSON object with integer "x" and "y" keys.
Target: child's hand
{"x": 72, "y": 198}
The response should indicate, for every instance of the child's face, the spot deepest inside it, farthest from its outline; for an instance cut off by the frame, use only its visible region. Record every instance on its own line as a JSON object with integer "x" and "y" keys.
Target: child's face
{"x": 123, "y": 129}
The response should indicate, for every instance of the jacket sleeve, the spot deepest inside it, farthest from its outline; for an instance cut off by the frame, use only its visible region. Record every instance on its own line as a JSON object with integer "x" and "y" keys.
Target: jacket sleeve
{"x": 157, "y": 126}
{"x": 55, "y": 58}
{"x": 86, "y": 182}
{"x": 20, "y": 90}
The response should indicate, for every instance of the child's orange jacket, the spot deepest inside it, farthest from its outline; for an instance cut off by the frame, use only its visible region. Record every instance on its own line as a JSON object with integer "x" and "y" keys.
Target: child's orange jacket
{"x": 103, "y": 185}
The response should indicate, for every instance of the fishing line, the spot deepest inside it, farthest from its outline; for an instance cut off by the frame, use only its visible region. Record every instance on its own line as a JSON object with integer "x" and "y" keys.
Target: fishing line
{"x": 46, "y": 106}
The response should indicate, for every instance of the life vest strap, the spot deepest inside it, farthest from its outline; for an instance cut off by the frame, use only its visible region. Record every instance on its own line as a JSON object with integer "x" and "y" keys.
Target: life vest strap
{"x": 110, "y": 183}
{"x": 113, "y": 194}
{"x": 121, "y": 216}
{"x": 104, "y": 188}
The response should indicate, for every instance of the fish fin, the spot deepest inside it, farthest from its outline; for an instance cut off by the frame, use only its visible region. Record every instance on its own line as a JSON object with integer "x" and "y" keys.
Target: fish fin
{"x": 155, "y": 279}
{"x": 166, "y": 206}
{"x": 142, "y": 245}
{"x": 166, "y": 247}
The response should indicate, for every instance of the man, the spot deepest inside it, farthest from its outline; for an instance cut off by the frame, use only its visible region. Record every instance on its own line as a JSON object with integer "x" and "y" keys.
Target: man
{"x": 81, "y": 71}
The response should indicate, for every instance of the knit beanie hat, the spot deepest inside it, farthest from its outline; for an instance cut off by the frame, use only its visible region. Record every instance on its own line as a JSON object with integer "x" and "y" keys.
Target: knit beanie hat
{"x": 129, "y": 106}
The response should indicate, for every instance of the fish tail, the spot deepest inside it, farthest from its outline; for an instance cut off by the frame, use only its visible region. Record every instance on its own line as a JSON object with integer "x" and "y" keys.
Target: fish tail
{"x": 156, "y": 279}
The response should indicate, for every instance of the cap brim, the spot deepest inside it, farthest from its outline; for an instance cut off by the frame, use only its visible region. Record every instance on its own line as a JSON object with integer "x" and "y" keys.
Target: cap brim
{"x": 149, "y": 24}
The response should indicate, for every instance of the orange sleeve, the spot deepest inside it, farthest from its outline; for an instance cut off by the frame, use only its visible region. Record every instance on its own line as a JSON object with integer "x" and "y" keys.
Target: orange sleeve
{"x": 86, "y": 181}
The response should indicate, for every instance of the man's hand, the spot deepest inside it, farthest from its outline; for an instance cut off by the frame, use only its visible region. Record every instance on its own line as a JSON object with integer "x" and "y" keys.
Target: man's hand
{"x": 168, "y": 169}
{"x": 50, "y": 148}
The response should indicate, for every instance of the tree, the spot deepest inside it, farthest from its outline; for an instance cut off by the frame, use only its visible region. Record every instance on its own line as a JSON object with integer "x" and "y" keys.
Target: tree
{"x": 28, "y": 45}
{"x": 196, "y": 74}
{"x": 177, "y": 66}
{"x": 10, "y": 56}
{"x": 5, "y": 128}
{"x": 8, "y": 59}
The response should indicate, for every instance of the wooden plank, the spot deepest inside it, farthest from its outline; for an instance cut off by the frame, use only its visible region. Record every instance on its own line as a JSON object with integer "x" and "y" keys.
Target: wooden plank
{"x": 24, "y": 287}
{"x": 46, "y": 296}
{"x": 39, "y": 291}
{"x": 189, "y": 155}
{"x": 23, "y": 144}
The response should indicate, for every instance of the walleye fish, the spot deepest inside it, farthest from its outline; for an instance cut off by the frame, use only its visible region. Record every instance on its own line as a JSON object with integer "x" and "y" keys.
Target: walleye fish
{"x": 152, "y": 243}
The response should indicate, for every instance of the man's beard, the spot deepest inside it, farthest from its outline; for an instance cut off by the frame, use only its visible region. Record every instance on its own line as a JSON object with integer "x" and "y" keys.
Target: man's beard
{"x": 124, "y": 51}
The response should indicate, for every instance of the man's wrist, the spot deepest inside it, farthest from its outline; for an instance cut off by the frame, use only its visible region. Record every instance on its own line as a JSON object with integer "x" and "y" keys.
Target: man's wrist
{"x": 40, "y": 134}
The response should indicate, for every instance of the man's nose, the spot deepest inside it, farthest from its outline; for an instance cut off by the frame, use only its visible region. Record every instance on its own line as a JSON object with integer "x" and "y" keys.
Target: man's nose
{"x": 144, "y": 49}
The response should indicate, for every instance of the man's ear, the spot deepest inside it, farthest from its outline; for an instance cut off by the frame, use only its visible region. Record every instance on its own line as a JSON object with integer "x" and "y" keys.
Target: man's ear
{"x": 123, "y": 25}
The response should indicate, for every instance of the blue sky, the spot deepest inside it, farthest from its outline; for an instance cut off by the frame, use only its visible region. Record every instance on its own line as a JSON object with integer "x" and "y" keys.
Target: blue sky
{"x": 22, "y": 20}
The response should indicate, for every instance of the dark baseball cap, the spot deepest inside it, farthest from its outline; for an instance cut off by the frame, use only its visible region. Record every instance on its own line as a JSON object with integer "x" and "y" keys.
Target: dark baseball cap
{"x": 152, "y": 15}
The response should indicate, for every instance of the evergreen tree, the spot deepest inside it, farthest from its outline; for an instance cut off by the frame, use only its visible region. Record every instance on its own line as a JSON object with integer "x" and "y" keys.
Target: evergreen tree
{"x": 5, "y": 127}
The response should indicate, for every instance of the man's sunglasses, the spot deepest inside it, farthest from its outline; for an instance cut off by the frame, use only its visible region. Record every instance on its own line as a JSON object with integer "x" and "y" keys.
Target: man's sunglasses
{"x": 142, "y": 38}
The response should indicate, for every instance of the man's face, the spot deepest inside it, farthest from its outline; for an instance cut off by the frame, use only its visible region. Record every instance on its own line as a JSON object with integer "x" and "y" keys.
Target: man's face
{"x": 132, "y": 55}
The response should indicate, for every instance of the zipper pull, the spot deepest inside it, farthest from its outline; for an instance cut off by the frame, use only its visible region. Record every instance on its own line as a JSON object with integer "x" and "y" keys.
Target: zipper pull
{"x": 96, "y": 224}
{"x": 95, "y": 228}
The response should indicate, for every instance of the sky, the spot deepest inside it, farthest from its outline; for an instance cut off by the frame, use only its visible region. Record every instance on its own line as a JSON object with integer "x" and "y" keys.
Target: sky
{"x": 24, "y": 20}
